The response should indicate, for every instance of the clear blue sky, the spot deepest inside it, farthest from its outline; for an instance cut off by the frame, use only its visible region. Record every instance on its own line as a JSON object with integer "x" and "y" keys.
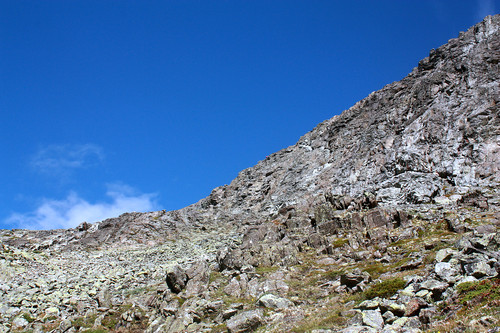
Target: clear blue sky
{"x": 114, "y": 106}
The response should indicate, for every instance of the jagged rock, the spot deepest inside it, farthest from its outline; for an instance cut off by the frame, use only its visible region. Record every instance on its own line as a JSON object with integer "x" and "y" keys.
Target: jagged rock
{"x": 359, "y": 329}
{"x": 445, "y": 255}
{"x": 275, "y": 302}
{"x": 480, "y": 269}
{"x": 246, "y": 321}
{"x": 414, "y": 306}
{"x": 354, "y": 278}
{"x": 448, "y": 272}
{"x": 434, "y": 285}
{"x": 419, "y": 156}
{"x": 176, "y": 278}
{"x": 373, "y": 318}
{"x": 104, "y": 298}
{"x": 389, "y": 317}
{"x": 233, "y": 288}
{"x": 198, "y": 276}
{"x": 425, "y": 316}
{"x": 369, "y": 304}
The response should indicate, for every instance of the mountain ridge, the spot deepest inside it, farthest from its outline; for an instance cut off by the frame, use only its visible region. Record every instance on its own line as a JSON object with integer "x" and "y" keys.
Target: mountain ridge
{"x": 381, "y": 219}
{"x": 382, "y": 145}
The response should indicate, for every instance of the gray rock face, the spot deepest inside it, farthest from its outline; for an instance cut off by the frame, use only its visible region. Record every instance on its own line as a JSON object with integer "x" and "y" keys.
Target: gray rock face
{"x": 246, "y": 321}
{"x": 176, "y": 278}
{"x": 373, "y": 318}
{"x": 272, "y": 301}
{"x": 409, "y": 170}
{"x": 432, "y": 134}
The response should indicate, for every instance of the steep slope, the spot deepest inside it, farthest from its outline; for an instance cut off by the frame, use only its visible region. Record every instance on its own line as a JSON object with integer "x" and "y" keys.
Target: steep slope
{"x": 436, "y": 128}
{"x": 435, "y": 133}
{"x": 382, "y": 219}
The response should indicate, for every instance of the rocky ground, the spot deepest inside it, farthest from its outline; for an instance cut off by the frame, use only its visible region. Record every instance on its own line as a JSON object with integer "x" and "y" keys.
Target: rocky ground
{"x": 427, "y": 268}
{"x": 382, "y": 219}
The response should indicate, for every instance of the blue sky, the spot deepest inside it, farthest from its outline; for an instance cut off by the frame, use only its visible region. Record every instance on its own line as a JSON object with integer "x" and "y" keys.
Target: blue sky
{"x": 115, "y": 106}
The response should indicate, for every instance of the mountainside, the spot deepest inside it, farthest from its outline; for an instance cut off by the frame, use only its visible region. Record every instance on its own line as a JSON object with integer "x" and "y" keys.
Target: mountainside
{"x": 393, "y": 202}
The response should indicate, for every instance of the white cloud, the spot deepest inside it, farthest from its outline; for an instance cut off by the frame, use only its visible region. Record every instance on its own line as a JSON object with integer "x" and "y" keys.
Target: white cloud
{"x": 57, "y": 159}
{"x": 73, "y": 210}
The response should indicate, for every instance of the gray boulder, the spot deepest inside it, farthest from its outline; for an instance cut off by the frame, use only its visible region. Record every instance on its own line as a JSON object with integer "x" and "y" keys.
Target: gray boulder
{"x": 176, "y": 278}
{"x": 246, "y": 321}
{"x": 275, "y": 302}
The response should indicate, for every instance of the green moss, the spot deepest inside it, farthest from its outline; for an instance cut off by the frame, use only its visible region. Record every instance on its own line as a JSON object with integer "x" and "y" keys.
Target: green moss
{"x": 95, "y": 330}
{"x": 333, "y": 274}
{"x": 375, "y": 269}
{"x": 385, "y": 288}
{"x": 111, "y": 321}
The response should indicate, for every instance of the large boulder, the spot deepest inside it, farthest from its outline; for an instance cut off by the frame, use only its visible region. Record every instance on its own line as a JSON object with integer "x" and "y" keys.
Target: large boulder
{"x": 176, "y": 278}
{"x": 246, "y": 321}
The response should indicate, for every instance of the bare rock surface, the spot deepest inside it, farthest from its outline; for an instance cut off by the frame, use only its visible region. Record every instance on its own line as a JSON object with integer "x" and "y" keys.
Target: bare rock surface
{"x": 382, "y": 219}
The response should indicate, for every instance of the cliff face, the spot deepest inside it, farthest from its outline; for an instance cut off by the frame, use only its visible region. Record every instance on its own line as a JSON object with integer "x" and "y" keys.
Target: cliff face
{"x": 382, "y": 219}
{"x": 433, "y": 134}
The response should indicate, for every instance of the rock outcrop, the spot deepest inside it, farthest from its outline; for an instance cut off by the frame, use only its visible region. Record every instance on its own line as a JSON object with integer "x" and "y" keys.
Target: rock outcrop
{"x": 382, "y": 219}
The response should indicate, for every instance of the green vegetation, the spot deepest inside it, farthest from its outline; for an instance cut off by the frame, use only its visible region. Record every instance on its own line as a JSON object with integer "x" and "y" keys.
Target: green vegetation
{"x": 266, "y": 269}
{"x": 95, "y": 330}
{"x": 339, "y": 242}
{"x": 83, "y": 322}
{"x": 385, "y": 288}
{"x": 323, "y": 319}
{"x": 479, "y": 291}
{"x": 28, "y": 317}
{"x": 219, "y": 328}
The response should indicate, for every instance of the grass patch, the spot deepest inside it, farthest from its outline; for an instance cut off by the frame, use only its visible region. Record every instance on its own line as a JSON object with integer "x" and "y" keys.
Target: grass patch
{"x": 266, "y": 269}
{"x": 329, "y": 319}
{"x": 214, "y": 275}
{"x": 385, "y": 288}
{"x": 83, "y": 322}
{"x": 479, "y": 291}
{"x": 339, "y": 242}
{"x": 28, "y": 317}
{"x": 221, "y": 328}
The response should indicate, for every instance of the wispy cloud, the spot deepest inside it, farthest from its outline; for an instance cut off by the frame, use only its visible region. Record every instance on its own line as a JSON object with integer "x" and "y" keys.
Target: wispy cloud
{"x": 73, "y": 210}
{"x": 61, "y": 159}
{"x": 484, "y": 8}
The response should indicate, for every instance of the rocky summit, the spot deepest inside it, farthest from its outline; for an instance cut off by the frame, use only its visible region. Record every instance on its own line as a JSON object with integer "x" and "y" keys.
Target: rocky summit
{"x": 381, "y": 219}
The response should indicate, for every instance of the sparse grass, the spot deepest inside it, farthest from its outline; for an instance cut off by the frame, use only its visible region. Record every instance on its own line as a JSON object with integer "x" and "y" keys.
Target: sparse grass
{"x": 328, "y": 318}
{"x": 83, "y": 322}
{"x": 339, "y": 242}
{"x": 479, "y": 291}
{"x": 266, "y": 269}
{"x": 219, "y": 328}
{"x": 332, "y": 274}
{"x": 111, "y": 321}
{"x": 28, "y": 317}
{"x": 475, "y": 300}
{"x": 214, "y": 275}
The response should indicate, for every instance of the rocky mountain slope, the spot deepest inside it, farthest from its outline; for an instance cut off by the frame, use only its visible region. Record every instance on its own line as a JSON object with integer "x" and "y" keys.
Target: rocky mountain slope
{"x": 384, "y": 218}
